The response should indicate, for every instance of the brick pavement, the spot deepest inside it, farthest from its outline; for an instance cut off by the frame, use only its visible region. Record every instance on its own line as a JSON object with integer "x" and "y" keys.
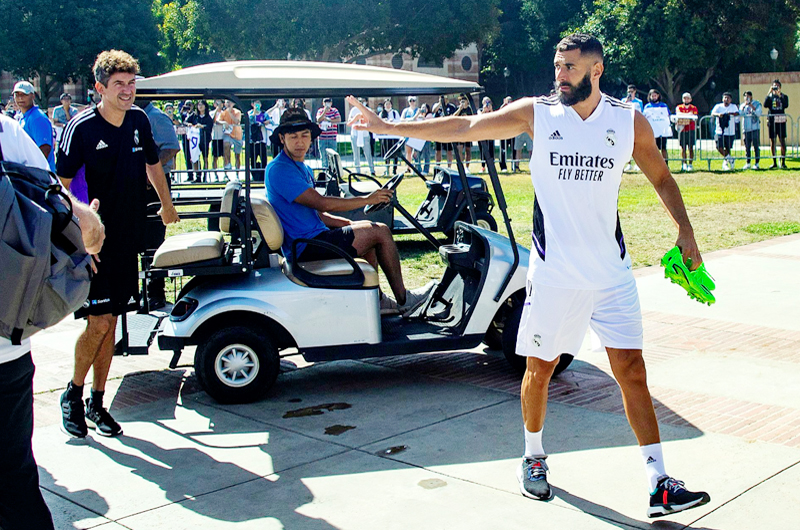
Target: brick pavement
{"x": 668, "y": 337}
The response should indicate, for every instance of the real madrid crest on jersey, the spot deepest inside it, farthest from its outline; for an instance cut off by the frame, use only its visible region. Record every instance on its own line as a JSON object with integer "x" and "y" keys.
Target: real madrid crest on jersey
{"x": 611, "y": 138}
{"x": 136, "y": 136}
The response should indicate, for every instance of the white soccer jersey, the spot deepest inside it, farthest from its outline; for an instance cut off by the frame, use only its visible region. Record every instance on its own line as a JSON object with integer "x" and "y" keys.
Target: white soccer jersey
{"x": 576, "y": 169}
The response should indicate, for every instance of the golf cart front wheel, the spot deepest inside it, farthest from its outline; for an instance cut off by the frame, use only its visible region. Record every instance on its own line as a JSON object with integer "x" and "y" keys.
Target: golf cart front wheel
{"x": 236, "y": 365}
{"x": 509, "y": 338}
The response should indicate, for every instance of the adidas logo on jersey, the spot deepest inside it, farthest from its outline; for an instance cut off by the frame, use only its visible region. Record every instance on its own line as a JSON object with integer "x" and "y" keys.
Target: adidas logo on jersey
{"x": 556, "y": 136}
{"x": 101, "y": 145}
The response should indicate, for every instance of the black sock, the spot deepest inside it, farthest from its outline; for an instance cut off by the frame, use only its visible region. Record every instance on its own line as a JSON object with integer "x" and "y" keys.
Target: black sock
{"x": 74, "y": 391}
{"x": 97, "y": 398}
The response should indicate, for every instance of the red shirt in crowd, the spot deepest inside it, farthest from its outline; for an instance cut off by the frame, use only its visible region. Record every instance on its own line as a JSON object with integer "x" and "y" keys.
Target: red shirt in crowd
{"x": 332, "y": 115}
{"x": 687, "y": 109}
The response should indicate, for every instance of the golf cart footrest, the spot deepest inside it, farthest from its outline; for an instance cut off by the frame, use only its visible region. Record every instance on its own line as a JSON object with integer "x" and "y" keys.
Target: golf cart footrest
{"x": 456, "y": 255}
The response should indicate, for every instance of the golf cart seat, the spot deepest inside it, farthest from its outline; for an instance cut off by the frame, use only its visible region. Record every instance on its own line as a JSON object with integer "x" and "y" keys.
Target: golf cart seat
{"x": 337, "y": 171}
{"x": 199, "y": 247}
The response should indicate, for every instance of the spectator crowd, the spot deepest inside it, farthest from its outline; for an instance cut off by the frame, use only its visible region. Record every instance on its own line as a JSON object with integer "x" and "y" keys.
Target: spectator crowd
{"x": 210, "y": 139}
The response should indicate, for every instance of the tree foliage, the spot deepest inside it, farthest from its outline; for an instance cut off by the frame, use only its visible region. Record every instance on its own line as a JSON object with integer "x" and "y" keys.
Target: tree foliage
{"x": 523, "y": 47}
{"x": 328, "y": 30}
{"x": 679, "y": 45}
{"x": 58, "y": 40}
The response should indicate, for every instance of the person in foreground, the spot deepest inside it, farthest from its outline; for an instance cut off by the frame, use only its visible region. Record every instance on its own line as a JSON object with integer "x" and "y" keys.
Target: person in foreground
{"x": 304, "y": 213}
{"x": 580, "y": 274}
{"x": 114, "y": 144}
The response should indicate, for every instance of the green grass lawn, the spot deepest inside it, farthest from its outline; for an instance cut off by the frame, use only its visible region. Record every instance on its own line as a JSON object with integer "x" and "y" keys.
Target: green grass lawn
{"x": 727, "y": 209}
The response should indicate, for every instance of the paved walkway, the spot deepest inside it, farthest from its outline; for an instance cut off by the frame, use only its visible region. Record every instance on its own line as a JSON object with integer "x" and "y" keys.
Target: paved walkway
{"x": 432, "y": 441}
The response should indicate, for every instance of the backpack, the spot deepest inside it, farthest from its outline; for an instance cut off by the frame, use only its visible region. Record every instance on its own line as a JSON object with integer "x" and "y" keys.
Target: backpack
{"x": 45, "y": 268}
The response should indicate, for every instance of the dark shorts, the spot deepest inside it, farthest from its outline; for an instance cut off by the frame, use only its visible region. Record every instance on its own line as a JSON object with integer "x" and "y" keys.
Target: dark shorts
{"x": 776, "y": 129}
{"x": 115, "y": 288}
{"x": 661, "y": 142}
{"x": 339, "y": 237}
{"x": 446, "y": 147}
{"x": 687, "y": 138}
{"x": 724, "y": 141}
{"x": 216, "y": 148}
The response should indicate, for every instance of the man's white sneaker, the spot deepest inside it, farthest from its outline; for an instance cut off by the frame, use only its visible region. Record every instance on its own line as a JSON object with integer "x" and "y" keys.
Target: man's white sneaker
{"x": 628, "y": 167}
{"x": 746, "y": 166}
{"x": 756, "y": 166}
{"x": 683, "y": 167}
{"x": 635, "y": 168}
{"x": 689, "y": 167}
{"x": 725, "y": 166}
{"x": 416, "y": 297}
{"x": 388, "y": 305}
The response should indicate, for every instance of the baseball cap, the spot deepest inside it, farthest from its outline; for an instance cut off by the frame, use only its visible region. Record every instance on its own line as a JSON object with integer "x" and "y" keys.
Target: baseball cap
{"x": 24, "y": 87}
{"x": 686, "y": 94}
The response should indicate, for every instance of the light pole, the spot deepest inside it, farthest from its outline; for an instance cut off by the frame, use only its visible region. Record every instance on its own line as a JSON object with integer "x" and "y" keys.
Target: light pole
{"x": 774, "y": 56}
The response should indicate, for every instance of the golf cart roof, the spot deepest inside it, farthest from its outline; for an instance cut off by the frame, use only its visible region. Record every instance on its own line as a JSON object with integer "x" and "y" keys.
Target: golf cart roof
{"x": 272, "y": 79}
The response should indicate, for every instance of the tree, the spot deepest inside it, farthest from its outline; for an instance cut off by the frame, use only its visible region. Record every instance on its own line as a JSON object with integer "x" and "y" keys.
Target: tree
{"x": 58, "y": 40}
{"x": 524, "y": 46}
{"x": 678, "y": 45}
{"x": 321, "y": 29}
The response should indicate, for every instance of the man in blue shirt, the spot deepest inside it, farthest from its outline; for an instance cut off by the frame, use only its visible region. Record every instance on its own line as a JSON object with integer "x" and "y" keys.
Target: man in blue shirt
{"x": 304, "y": 214}
{"x": 34, "y": 121}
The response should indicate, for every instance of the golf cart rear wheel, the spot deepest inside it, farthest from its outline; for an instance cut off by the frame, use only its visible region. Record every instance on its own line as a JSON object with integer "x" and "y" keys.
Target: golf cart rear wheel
{"x": 485, "y": 220}
{"x": 236, "y": 365}
{"x": 509, "y": 338}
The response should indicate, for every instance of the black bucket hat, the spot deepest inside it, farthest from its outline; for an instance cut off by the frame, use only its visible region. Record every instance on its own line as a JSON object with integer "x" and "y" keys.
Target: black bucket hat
{"x": 294, "y": 120}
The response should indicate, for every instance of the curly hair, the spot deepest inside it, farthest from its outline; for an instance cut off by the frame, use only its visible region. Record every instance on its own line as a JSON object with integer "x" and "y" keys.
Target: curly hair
{"x": 111, "y": 62}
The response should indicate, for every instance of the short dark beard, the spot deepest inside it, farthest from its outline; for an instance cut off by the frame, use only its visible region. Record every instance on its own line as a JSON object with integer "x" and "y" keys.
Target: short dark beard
{"x": 579, "y": 93}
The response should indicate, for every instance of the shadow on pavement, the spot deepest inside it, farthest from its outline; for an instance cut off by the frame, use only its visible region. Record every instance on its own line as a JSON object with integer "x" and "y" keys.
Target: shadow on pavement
{"x": 622, "y": 521}
{"x": 377, "y": 393}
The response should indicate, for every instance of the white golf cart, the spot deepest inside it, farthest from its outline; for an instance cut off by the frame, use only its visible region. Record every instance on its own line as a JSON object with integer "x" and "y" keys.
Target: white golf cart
{"x": 246, "y": 305}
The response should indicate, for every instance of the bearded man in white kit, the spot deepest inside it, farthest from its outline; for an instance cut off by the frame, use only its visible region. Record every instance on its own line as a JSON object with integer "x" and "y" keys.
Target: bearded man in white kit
{"x": 580, "y": 273}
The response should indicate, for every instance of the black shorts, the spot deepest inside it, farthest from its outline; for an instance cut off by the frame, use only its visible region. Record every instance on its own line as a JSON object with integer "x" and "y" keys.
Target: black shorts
{"x": 115, "y": 288}
{"x": 661, "y": 142}
{"x": 444, "y": 147}
{"x": 687, "y": 138}
{"x": 776, "y": 129}
{"x": 725, "y": 141}
{"x": 216, "y": 148}
{"x": 339, "y": 237}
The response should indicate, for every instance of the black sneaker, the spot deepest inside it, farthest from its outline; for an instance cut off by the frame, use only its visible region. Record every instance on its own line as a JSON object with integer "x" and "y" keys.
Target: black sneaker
{"x": 532, "y": 477}
{"x": 101, "y": 421}
{"x": 672, "y": 497}
{"x": 73, "y": 422}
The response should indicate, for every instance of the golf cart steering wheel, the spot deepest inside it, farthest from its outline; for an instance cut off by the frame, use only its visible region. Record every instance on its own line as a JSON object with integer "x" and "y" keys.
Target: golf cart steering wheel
{"x": 392, "y": 153}
{"x": 391, "y": 185}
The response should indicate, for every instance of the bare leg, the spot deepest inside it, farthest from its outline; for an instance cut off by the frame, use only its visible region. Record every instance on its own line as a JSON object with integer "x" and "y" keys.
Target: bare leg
{"x": 226, "y": 153}
{"x": 377, "y": 237}
{"x": 90, "y": 344}
{"x": 631, "y": 375}
{"x": 534, "y": 392}
{"x": 102, "y": 364}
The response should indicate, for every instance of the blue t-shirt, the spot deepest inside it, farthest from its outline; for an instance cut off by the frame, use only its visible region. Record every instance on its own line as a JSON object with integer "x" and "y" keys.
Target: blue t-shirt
{"x": 39, "y": 128}
{"x": 285, "y": 181}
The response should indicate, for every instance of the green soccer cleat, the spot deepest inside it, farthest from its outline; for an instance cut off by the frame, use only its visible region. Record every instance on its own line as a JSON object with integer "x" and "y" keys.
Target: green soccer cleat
{"x": 698, "y": 283}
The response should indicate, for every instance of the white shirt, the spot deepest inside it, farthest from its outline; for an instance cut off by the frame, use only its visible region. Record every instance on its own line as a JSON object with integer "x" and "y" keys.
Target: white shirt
{"x": 721, "y": 108}
{"x": 18, "y": 147}
{"x": 576, "y": 169}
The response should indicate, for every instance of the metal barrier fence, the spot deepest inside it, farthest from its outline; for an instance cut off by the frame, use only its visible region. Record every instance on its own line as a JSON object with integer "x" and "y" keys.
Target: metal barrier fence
{"x": 705, "y": 149}
{"x": 758, "y": 141}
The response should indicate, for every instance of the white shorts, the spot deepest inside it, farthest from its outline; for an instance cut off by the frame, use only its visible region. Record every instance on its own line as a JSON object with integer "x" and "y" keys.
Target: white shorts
{"x": 554, "y": 320}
